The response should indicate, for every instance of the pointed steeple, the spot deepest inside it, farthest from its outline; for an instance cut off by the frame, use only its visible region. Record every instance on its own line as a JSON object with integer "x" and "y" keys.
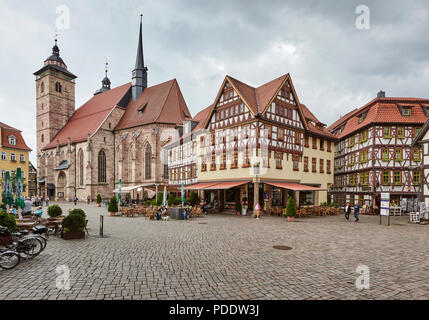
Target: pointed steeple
{"x": 139, "y": 75}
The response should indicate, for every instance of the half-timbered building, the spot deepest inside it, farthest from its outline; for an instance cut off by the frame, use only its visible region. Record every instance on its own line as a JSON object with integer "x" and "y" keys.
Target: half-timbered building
{"x": 375, "y": 154}
{"x": 260, "y": 145}
{"x": 422, "y": 141}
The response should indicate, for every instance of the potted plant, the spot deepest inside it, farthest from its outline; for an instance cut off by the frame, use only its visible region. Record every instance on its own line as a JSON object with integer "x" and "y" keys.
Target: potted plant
{"x": 113, "y": 206}
{"x": 7, "y": 220}
{"x": 54, "y": 211}
{"x": 291, "y": 209}
{"x": 98, "y": 202}
{"x": 74, "y": 225}
{"x": 238, "y": 208}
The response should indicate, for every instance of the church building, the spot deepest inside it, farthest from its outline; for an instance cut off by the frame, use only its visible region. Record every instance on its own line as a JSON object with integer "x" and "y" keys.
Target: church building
{"x": 117, "y": 134}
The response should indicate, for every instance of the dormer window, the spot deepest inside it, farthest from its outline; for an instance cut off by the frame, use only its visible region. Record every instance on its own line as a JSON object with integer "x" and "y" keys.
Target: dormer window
{"x": 12, "y": 140}
{"x": 140, "y": 111}
{"x": 406, "y": 112}
{"x": 362, "y": 117}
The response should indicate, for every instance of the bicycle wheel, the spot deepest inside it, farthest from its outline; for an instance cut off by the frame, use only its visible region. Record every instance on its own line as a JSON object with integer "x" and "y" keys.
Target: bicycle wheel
{"x": 43, "y": 240}
{"x": 30, "y": 247}
{"x": 9, "y": 259}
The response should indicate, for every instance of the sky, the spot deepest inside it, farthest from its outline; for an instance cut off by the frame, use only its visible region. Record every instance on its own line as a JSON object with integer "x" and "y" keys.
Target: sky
{"x": 336, "y": 65}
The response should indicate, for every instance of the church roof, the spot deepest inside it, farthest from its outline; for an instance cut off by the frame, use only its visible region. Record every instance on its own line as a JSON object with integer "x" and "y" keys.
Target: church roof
{"x": 7, "y": 131}
{"x": 89, "y": 117}
{"x": 162, "y": 103}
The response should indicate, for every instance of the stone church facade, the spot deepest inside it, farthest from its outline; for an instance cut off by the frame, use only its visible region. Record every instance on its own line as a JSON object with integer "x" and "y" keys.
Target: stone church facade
{"x": 117, "y": 134}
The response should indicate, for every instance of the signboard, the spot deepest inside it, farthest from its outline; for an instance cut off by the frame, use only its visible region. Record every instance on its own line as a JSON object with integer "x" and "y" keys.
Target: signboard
{"x": 385, "y": 204}
{"x": 266, "y": 196}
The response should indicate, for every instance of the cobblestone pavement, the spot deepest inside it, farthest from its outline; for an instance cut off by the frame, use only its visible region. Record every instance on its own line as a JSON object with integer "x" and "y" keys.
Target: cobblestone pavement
{"x": 229, "y": 257}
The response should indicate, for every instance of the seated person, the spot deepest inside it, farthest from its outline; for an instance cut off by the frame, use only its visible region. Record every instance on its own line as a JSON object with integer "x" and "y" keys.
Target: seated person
{"x": 27, "y": 208}
{"x": 39, "y": 212}
{"x": 13, "y": 210}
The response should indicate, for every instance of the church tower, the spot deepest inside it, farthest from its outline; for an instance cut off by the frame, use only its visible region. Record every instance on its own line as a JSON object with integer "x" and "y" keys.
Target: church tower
{"x": 55, "y": 98}
{"x": 139, "y": 75}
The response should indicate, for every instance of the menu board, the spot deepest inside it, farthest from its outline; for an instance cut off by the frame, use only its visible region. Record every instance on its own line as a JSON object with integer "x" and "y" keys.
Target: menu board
{"x": 385, "y": 204}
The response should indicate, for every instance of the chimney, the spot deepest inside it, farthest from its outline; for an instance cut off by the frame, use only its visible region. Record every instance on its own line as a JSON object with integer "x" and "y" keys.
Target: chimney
{"x": 381, "y": 94}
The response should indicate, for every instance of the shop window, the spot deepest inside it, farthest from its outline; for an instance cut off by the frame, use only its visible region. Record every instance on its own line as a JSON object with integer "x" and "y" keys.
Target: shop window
{"x": 277, "y": 197}
{"x": 306, "y": 198}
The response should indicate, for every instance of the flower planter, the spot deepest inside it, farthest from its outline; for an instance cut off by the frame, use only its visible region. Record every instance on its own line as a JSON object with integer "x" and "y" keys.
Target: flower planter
{"x": 6, "y": 240}
{"x": 112, "y": 214}
{"x": 98, "y": 204}
{"x": 74, "y": 235}
{"x": 290, "y": 219}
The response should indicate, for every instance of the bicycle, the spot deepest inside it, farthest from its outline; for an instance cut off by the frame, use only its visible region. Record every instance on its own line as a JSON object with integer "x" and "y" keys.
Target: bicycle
{"x": 28, "y": 247}
{"x": 9, "y": 259}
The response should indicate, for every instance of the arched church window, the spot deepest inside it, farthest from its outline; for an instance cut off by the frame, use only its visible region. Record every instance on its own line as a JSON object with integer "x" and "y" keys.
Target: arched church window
{"x": 148, "y": 162}
{"x": 101, "y": 166}
{"x": 58, "y": 87}
{"x": 81, "y": 168}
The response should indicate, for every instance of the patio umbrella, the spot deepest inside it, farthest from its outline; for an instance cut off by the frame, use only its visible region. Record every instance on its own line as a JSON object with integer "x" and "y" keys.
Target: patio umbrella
{"x": 7, "y": 195}
{"x": 19, "y": 199}
{"x": 182, "y": 193}
{"x": 164, "y": 196}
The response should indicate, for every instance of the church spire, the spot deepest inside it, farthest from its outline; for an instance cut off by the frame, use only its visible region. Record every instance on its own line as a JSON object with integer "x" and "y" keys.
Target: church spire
{"x": 139, "y": 75}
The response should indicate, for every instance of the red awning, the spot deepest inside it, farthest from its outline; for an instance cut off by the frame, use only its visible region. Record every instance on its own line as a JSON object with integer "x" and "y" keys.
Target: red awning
{"x": 200, "y": 186}
{"x": 227, "y": 185}
{"x": 293, "y": 186}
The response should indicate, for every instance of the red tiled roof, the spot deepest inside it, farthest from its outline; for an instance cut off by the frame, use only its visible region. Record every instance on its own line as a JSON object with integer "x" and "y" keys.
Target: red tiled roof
{"x": 162, "y": 103}
{"x": 88, "y": 118}
{"x": 200, "y": 117}
{"x": 7, "y": 131}
{"x": 267, "y": 91}
{"x": 247, "y": 92}
{"x": 382, "y": 110}
{"x": 318, "y": 127}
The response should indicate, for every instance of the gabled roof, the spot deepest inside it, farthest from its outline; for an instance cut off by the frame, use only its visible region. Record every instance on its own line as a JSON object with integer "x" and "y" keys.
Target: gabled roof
{"x": 88, "y": 118}
{"x": 256, "y": 99}
{"x": 382, "y": 110}
{"x": 7, "y": 131}
{"x": 314, "y": 125}
{"x": 162, "y": 103}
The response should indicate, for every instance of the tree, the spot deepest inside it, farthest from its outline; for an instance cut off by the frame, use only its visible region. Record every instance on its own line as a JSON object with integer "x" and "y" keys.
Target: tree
{"x": 98, "y": 198}
{"x": 291, "y": 208}
{"x": 193, "y": 198}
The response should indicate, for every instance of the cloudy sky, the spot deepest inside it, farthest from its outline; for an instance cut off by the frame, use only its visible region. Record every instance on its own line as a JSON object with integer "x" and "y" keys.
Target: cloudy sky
{"x": 335, "y": 66}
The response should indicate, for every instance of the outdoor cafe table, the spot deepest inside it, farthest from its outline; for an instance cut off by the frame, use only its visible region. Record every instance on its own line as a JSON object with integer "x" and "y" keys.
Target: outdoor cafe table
{"x": 25, "y": 225}
{"x": 54, "y": 223}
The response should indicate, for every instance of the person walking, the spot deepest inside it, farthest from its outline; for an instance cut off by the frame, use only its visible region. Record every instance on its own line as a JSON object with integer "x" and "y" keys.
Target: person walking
{"x": 88, "y": 199}
{"x": 47, "y": 201}
{"x": 347, "y": 211}
{"x": 75, "y": 200}
{"x": 357, "y": 208}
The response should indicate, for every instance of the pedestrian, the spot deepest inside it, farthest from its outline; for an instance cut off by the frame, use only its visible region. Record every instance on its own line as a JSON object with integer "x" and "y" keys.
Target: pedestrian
{"x": 88, "y": 199}
{"x": 47, "y": 201}
{"x": 347, "y": 211}
{"x": 75, "y": 200}
{"x": 357, "y": 208}
{"x": 258, "y": 210}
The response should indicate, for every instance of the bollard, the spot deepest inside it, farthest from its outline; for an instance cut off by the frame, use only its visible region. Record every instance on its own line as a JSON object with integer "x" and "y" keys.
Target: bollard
{"x": 101, "y": 225}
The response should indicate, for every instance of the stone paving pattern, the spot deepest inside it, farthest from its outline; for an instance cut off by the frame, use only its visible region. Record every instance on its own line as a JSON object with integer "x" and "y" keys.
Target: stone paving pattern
{"x": 229, "y": 257}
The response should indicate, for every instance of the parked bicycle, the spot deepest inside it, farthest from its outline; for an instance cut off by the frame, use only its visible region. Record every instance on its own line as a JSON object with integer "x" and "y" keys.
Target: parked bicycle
{"x": 26, "y": 246}
{"x": 9, "y": 259}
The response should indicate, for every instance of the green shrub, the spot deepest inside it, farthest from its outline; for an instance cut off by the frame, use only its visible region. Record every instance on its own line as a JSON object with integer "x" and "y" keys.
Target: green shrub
{"x": 78, "y": 211}
{"x": 170, "y": 200}
{"x": 291, "y": 208}
{"x": 187, "y": 200}
{"x": 74, "y": 222}
{"x": 98, "y": 199}
{"x": 159, "y": 200}
{"x": 3, "y": 207}
{"x": 7, "y": 220}
{"x": 153, "y": 202}
{"x": 176, "y": 201}
{"x": 54, "y": 211}
{"x": 238, "y": 207}
{"x": 113, "y": 205}
{"x": 193, "y": 198}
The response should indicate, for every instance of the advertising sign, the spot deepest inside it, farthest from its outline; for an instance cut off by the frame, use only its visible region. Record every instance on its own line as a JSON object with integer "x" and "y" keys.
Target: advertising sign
{"x": 385, "y": 204}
